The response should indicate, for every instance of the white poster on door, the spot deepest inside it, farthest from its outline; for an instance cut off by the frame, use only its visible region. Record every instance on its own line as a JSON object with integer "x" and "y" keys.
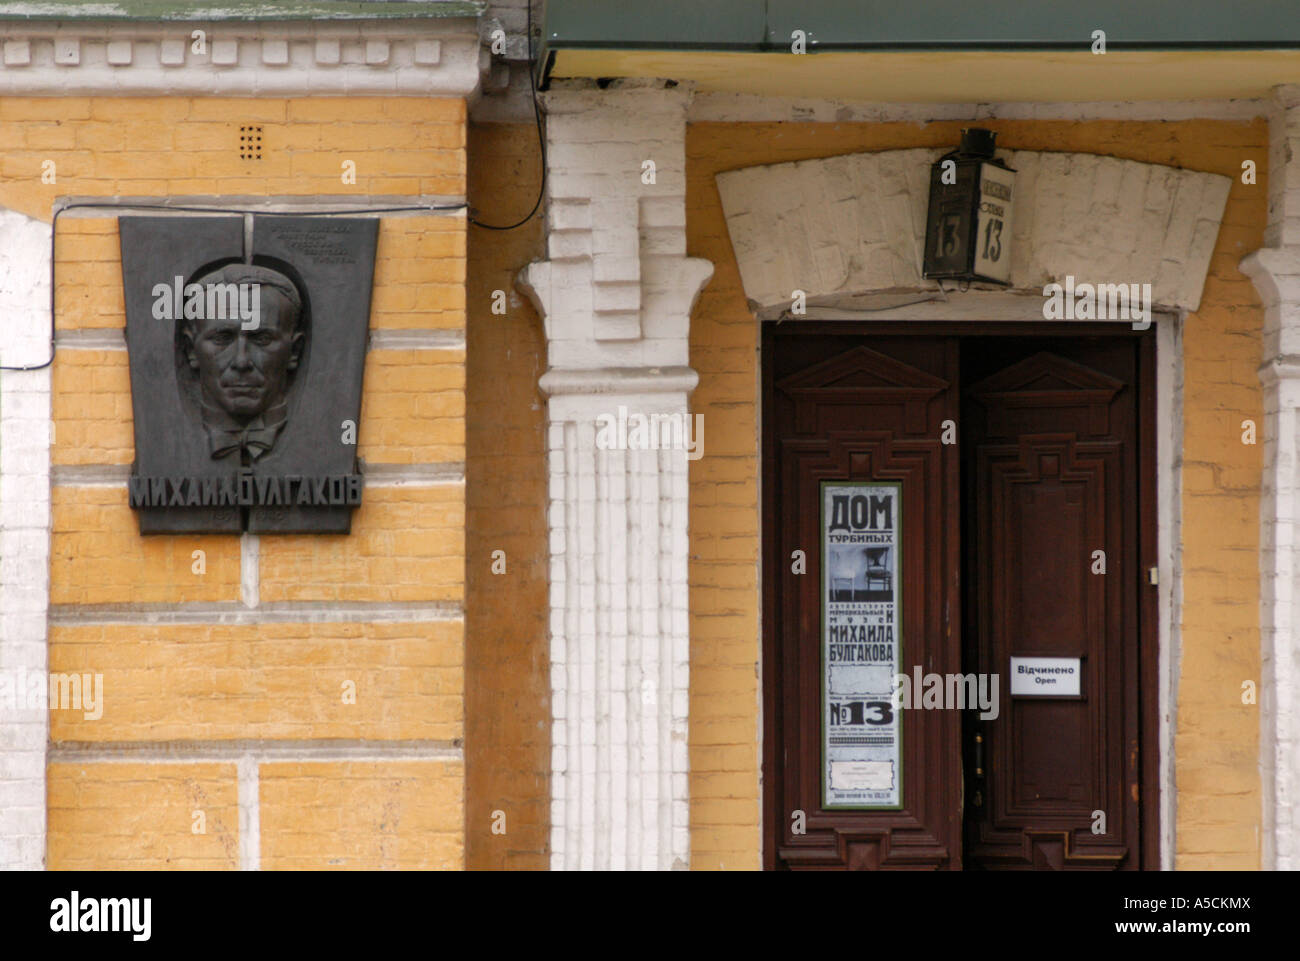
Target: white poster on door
{"x": 862, "y": 734}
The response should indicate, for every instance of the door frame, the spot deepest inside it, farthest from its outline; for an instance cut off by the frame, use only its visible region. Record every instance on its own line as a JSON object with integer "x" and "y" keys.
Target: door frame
{"x": 1159, "y": 428}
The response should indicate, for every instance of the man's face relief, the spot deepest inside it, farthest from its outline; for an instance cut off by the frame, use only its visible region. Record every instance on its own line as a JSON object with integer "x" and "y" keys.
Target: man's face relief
{"x": 246, "y": 372}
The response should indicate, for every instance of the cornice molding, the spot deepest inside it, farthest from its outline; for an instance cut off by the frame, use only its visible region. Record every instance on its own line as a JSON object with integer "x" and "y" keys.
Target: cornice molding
{"x": 388, "y": 57}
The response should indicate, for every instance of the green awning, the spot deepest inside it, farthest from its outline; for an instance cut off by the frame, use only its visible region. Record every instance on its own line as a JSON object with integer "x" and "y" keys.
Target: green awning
{"x": 758, "y": 25}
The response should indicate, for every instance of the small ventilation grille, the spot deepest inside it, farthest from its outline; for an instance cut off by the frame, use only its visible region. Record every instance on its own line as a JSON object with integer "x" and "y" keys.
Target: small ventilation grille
{"x": 250, "y": 142}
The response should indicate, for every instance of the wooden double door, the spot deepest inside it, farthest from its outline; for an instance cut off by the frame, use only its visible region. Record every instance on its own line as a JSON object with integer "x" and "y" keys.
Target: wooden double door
{"x": 1021, "y": 457}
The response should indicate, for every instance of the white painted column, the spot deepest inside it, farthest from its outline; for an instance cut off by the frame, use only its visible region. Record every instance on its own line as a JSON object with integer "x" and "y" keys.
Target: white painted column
{"x": 616, "y": 295}
{"x": 24, "y": 537}
{"x": 1275, "y": 270}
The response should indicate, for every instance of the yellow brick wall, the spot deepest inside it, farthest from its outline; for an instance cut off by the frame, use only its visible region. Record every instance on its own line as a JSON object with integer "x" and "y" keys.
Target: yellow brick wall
{"x": 204, "y": 684}
{"x": 362, "y": 816}
{"x": 178, "y": 146}
{"x": 142, "y": 816}
{"x": 1217, "y": 738}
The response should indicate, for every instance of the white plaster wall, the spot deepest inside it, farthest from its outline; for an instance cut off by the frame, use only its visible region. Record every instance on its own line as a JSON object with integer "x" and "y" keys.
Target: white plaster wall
{"x": 1275, "y": 270}
{"x": 24, "y": 530}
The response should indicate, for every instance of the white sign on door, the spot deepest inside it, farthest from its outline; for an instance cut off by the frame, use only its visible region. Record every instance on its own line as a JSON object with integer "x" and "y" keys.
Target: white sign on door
{"x": 1046, "y": 676}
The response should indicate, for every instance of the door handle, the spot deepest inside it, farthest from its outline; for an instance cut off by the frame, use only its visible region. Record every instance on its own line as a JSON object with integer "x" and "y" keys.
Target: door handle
{"x": 977, "y": 799}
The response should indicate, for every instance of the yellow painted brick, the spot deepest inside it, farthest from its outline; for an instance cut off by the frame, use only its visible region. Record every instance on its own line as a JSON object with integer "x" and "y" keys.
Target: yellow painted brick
{"x": 448, "y": 185}
{"x": 437, "y": 245}
{"x": 726, "y": 722}
{"x": 44, "y": 108}
{"x": 726, "y": 812}
{"x": 411, "y": 270}
{"x": 227, "y": 164}
{"x": 400, "y": 424}
{"x": 344, "y": 136}
{"x": 209, "y": 137}
{"x": 83, "y": 306}
{"x": 24, "y": 164}
{"x": 363, "y": 816}
{"x": 415, "y": 441}
{"x": 103, "y": 135}
{"x": 236, "y": 110}
{"x": 91, "y": 408}
{"x": 89, "y": 226}
{"x": 97, "y": 555}
{"x": 374, "y": 163}
{"x": 331, "y": 109}
{"x": 726, "y": 837}
{"x": 426, "y": 110}
{"x": 52, "y": 136}
{"x": 404, "y": 186}
{"x": 75, "y": 244}
{"x": 246, "y": 183}
{"x": 305, "y": 138}
{"x": 415, "y": 304}
{"x": 152, "y": 137}
{"x": 191, "y": 185}
{"x": 225, "y": 681}
{"x": 395, "y": 372}
{"x": 144, "y": 111}
{"x": 133, "y": 145}
{"x": 123, "y": 816}
{"x": 89, "y": 295}
{"x": 141, "y": 188}
{"x": 142, "y": 166}
{"x": 407, "y": 544}
{"x": 727, "y": 784}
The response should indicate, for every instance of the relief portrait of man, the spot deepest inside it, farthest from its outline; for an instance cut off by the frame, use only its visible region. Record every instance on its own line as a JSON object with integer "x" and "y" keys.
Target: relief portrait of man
{"x": 244, "y": 368}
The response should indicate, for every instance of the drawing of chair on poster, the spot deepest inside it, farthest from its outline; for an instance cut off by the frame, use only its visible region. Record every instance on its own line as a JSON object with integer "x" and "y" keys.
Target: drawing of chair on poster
{"x": 844, "y": 568}
{"x": 879, "y": 576}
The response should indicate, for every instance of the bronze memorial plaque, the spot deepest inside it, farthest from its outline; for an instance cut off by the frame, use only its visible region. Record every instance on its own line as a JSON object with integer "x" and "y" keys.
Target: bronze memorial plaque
{"x": 246, "y": 366}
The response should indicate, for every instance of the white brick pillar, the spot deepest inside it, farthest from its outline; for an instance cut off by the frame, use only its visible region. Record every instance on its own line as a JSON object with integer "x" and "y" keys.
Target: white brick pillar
{"x": 615, "y": 296}
{"x": 24, "y": 537}
{"x": 1275, "y": 270}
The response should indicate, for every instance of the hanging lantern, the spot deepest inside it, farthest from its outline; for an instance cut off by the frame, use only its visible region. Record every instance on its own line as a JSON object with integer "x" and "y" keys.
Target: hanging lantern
{"x": 968, "y": 227}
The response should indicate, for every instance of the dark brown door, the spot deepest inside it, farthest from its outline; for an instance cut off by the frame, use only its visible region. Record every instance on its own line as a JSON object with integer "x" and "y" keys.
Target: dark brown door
{"x": 1050, "y": 458}
{"x": 998, "y": 535}
{"x": 849, "y": 409}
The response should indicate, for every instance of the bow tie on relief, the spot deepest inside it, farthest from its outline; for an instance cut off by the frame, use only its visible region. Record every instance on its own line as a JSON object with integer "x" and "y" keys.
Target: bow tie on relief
{"x": 256, "y": 440}
{"x": 257, "y": 437}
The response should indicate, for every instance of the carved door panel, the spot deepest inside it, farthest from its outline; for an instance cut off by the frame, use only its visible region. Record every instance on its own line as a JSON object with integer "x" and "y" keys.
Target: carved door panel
{"x": 1028, "y": 534}
{"x": 841, "y": 411}
{"x": 1052, "y": 561}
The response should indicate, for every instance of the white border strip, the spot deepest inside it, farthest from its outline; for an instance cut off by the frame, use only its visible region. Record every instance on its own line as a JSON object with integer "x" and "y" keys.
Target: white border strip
{"x": 1169, "y": 513}
{"x": 250, "y": 820}
{"x": 256, "y": 750}
{"x": 236, "y": 612}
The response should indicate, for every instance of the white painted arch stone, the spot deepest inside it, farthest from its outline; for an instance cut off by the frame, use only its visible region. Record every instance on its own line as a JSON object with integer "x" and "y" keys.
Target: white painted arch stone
{"x": 855, "y": 224}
